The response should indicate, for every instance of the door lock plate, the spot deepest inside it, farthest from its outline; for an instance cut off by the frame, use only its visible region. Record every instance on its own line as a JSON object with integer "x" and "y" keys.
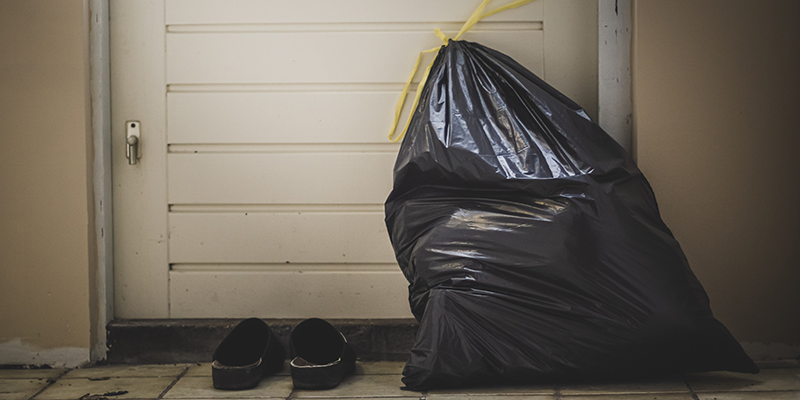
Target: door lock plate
{"x": 133, "y": 148}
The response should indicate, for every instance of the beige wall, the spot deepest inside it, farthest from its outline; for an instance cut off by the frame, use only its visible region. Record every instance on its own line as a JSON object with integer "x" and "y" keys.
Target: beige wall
{"x": 44, "y": 202}
{"x": 716, "y": 91}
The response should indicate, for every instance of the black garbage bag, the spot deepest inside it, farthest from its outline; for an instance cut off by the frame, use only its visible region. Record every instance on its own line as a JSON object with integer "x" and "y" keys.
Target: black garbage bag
{"x": 533, "y": 244}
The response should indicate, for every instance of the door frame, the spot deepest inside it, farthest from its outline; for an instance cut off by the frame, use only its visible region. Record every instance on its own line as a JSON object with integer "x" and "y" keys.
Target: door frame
{"x": 102, "y": 300}
{"x": 614, "y": 115}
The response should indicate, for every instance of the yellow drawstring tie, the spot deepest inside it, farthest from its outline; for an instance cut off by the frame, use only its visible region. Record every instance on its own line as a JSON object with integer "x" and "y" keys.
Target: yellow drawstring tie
{"x": 473, "y": 19}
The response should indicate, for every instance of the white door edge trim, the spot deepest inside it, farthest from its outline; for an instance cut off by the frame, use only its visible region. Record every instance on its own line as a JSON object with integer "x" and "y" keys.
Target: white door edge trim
{"x": 102, "y": 309}
{"x": 614, "y": 70}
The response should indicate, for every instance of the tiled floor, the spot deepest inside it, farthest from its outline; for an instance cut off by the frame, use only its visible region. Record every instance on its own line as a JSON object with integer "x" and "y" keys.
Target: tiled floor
{"x": 379, "y": 380}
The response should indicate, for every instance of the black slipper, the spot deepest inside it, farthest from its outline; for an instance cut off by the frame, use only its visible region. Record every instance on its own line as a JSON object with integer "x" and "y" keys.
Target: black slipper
{"x": 249, "y": 352}
{"x": 322, "y": 355}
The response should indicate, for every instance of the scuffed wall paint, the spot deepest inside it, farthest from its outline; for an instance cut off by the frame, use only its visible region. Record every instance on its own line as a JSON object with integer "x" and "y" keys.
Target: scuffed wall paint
{"x": 771, "y": 351}
{"x": 16, "y": 352}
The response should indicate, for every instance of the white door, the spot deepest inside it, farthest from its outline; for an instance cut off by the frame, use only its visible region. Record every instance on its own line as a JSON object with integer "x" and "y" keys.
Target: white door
{"x": 264, "y": 157}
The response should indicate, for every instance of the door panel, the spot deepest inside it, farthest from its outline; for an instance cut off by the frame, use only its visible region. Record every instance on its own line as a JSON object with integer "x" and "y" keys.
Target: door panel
{"x": 317, "y": 57}
{"x": 304, "y": 291}
{"x": 268, "y": 237}
{"x": 215, "y": 12}
{"x": 283, "y": 115}
{"x": 280, "y": 178}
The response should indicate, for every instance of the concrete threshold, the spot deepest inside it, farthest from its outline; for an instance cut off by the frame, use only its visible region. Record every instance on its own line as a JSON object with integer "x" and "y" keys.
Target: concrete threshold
{"x": 167, "y": 341}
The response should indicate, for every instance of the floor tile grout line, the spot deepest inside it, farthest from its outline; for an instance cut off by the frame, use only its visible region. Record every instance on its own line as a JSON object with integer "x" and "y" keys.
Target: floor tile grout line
{"x": 174, "y": 382}
{"x": 749, "y": 391}
{"x": 103, "y": 378}
{"x": 291, "y": 394}
{"x": 329, "y": 397}
{"x": 689, "y": 386}
{"x": 50, "y": 382}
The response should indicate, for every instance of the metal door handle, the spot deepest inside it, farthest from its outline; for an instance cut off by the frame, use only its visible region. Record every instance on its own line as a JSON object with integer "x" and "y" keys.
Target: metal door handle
{"x": 132, "y": 151}
{"x": 133, "y": 147}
